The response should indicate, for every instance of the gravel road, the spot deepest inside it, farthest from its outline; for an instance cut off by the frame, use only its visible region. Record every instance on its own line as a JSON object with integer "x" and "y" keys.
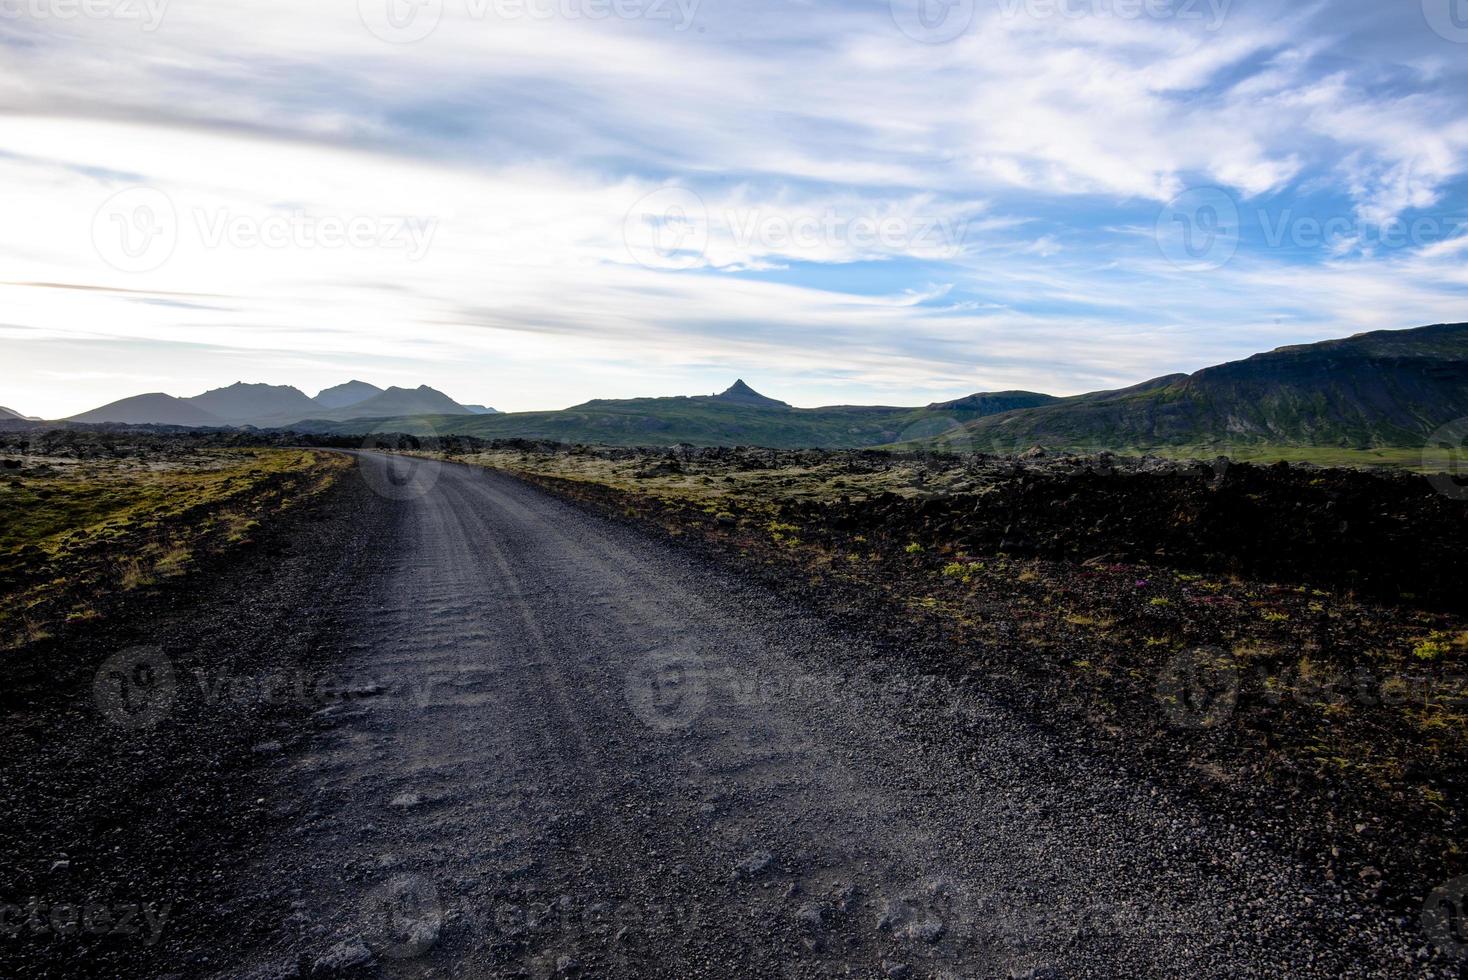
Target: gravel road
{"x": 569, "y": 750}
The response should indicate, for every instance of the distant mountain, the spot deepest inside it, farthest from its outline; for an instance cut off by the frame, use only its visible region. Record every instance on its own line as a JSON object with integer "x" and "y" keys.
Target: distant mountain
{"x": 243, "y": 403}
{"x": 379, "y": 403}
{"x": 155, "y": 407}
{"x": 6, "y": 413}
{"x": 737, "y": 416}
{"x": 1381, "y": 389}
{"x": 422, "y": 400}
{"x": 740, "y": 393}
{"x": 276, "y": 406}
{"x": 482, "y": 410}
{"x": 342, "y": 395}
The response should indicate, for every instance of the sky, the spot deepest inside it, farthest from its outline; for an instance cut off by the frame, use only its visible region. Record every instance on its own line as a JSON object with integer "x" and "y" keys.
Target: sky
{"x": 529, "y": 203}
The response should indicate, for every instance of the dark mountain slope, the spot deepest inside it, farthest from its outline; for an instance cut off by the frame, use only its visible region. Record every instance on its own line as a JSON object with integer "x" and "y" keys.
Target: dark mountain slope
{"x": 155, "y": 407}
{"x": 243, "y": 403}
{"x": 1386, "y": 388}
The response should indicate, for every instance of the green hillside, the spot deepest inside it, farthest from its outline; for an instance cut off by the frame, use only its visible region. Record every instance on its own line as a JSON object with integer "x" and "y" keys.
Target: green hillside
{"x": 1376, "y": 390}
{"x": 738, "y": 416}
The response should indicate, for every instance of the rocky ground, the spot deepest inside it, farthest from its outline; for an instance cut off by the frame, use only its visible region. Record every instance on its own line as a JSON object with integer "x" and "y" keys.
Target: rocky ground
{"x": 130, "y": 770}
{"x": 442, "y": 722}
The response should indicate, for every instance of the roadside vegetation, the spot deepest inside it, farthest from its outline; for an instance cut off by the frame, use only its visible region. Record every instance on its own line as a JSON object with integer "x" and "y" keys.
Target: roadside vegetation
{"x": 86, "y": 520}
{"x": 1411, "y": 458}
{"x": 1276, "y": 632}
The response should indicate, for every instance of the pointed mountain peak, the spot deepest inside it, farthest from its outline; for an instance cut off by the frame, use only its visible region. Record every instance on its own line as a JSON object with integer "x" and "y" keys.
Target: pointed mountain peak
{"x": 744, "y": 394}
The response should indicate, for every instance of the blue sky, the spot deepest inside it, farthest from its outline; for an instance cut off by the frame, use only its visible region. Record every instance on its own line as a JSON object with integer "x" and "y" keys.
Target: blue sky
{"x": 528, "y": 203}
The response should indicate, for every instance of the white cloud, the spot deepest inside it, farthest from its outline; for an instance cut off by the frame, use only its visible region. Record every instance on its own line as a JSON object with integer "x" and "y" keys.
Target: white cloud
{"x": 1011, "y": 163}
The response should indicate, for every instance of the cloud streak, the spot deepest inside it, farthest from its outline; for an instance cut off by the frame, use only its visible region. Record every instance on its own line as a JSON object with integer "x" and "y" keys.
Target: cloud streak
{"x": 530, "y": 209}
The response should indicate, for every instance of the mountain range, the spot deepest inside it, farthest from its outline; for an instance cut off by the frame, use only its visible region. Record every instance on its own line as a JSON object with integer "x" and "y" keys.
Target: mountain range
{"x": 1384, "y": 389}
{"x": 278, "y": 406}
{"x": 1387, "y": 388}
{"x": 737, "y": 416}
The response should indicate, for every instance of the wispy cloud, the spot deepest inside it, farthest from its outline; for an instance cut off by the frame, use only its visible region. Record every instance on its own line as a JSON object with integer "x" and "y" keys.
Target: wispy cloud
{"x": 531, "y": 209}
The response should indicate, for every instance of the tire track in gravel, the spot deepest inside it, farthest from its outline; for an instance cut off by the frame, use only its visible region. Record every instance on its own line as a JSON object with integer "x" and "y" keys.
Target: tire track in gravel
{"x": 585, "y": 753}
